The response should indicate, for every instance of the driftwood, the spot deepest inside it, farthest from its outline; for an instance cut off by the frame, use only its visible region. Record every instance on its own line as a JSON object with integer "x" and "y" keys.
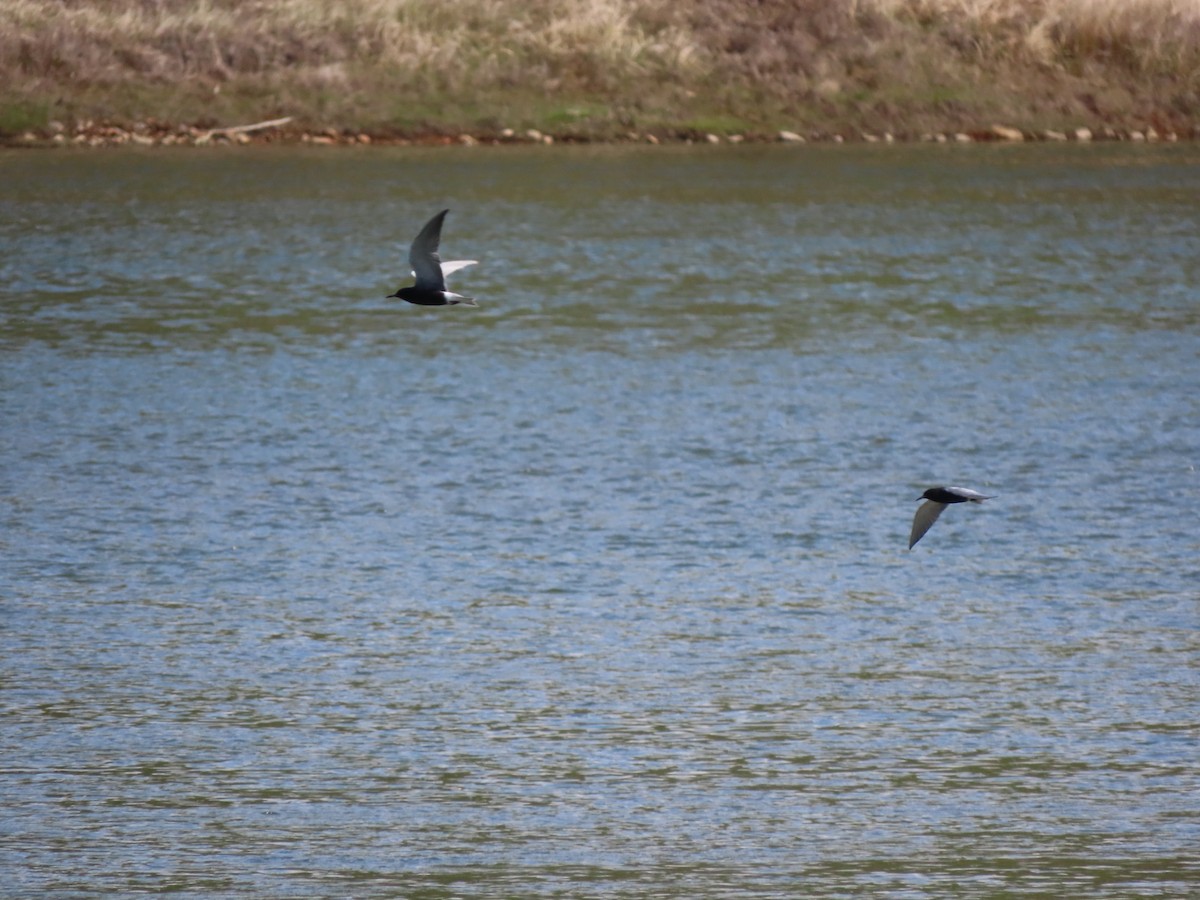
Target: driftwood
{"x": 241, "y": 129}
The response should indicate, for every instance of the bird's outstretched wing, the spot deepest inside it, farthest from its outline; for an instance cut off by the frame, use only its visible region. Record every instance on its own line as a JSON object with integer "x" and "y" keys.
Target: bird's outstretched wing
{"x": 927, "y": 514}
{"x": 423, "y": 255}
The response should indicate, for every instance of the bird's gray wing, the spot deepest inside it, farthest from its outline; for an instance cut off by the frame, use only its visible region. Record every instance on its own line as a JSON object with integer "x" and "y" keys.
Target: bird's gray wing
{"x": 927, "y": 514}
{"x": 423, "y": 255}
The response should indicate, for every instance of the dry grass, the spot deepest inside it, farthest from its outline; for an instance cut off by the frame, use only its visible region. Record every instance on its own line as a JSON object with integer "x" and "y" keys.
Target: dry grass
{"x": 917, "y": 65}
{"x": 1144, "y": 34}
{"x": 450, "y": 43}
{"x": 601, "y": 65}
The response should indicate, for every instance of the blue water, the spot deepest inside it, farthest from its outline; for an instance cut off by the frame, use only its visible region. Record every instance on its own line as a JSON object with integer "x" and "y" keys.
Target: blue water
{"x": 602, "y": 589}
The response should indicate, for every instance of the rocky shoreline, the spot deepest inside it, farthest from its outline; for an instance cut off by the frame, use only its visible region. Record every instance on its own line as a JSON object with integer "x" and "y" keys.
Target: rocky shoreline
{"x": 154, "y": 133}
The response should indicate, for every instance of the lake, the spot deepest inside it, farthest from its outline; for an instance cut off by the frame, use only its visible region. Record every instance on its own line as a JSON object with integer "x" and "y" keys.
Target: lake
{"x": 602, "y": 589}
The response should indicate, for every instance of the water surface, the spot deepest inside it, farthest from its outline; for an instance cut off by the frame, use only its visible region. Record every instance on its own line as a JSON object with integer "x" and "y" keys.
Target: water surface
{"x": 601, "y": 589}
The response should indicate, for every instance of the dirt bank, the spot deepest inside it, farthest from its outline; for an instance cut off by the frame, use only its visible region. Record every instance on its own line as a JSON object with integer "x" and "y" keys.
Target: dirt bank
{"x": 127, "y": 72}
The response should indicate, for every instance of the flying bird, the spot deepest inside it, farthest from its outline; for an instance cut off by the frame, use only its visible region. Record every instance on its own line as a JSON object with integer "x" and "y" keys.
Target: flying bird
{"x": 936, "y": 499}
{"x": 429, "y": 270}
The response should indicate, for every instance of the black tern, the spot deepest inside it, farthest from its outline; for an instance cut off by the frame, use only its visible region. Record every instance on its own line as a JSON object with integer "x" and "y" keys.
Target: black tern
{"x": 430, "y": 271}
{"x": 937, "y": 499}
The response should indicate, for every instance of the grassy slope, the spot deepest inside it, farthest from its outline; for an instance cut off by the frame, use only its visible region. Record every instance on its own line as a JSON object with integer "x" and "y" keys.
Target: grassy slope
{"x": 600, "y": 68}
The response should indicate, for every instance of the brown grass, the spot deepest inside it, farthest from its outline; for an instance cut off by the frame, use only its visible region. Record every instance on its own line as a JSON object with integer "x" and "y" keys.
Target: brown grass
{"x": 602, "y": 66}
{"x": 905, "y": 65}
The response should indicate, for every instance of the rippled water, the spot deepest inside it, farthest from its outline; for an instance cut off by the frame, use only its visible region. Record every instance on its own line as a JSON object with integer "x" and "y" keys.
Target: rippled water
{"x": 601, "y": 589}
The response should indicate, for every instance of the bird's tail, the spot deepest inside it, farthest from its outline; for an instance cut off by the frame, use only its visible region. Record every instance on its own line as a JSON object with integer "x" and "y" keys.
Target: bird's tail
{"x": 464, "y": 301}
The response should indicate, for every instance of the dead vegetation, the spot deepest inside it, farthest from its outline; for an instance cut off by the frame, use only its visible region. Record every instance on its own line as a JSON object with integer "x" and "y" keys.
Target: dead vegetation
{"x": 922, "y": 65}
{"x": 600, "y": 68}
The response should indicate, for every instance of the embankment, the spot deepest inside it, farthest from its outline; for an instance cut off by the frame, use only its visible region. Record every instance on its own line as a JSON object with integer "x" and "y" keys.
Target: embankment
{"x": 587, "y": 70}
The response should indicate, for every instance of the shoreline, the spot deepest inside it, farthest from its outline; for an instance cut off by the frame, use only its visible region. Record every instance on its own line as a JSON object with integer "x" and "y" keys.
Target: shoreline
{"x": 283, "y": 132}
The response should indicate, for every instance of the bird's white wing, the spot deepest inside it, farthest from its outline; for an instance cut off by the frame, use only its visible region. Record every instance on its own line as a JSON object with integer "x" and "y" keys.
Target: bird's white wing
{"x": 451, "y": 266}
{"x": 927, "y": 514}
{"x": 423, "y": 256}
{"x": 454, "y": 265}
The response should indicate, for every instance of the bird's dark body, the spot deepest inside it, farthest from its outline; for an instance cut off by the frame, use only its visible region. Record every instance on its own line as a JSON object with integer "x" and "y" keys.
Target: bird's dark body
{"x": 420, "y": 297}
{"x": 941, "y": 495}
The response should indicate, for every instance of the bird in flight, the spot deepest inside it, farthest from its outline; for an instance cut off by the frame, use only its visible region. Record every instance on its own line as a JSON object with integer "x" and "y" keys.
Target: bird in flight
{"x": 937, "y": 499}
{"x": 429, "y": 270}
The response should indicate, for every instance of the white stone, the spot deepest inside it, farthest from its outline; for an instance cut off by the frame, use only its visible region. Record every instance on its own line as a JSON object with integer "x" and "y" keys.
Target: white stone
{"x": 1005, "y": 133}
